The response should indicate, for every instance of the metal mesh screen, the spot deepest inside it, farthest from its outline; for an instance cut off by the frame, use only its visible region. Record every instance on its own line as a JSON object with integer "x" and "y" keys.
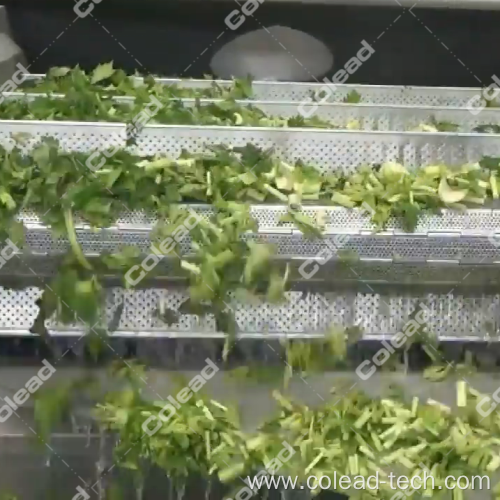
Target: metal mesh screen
{"x": 328, "y": 150}
{"x": 363, "y": 116}
{"x": 375, "y": 94}
{"x": 453, "y": 236}
{"x": 452, "y": 315}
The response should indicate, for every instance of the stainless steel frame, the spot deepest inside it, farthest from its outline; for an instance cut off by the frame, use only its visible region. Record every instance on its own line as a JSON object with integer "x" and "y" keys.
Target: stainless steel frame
{"x": 329, "y": 150}
{"x": 461, "y": 240}
{"x": 303, "y": 92}
{"x": 382, "y": 117}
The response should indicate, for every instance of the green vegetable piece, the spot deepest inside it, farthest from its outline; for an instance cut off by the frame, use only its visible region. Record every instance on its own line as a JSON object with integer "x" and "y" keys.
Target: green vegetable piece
{"x": 461, "y": 394}
{"x": 230, "y": 473}
{"x": 449, "y": 195}
{"x": 58, "y": 72}
{"x": 102, "y": 72}
{"x": 342, "y": 200}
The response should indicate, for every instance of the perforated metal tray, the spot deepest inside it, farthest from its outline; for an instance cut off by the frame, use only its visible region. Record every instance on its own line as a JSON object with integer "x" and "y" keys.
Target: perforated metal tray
{"x": 374, "y": 94}
{"x": 306, "y": 313}
{"x": 381, "y": 117}
{"x": 329, "y": 150}
{"x": 334, "y": 220}
{"x": 355, "y": 116}
{"x": 459, "y": 237}
{"x": 449, "y": 237}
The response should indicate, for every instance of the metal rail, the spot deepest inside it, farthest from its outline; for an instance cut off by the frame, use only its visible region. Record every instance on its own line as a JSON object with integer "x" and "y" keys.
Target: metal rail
{"x": 354, "y": 116}
{"x": 454, "y": 237}
{"x": 455, "y": 315}
{"x": 328, "y": 150}
{"x": 305, "y": 313}
{"x": 303, "y": 92}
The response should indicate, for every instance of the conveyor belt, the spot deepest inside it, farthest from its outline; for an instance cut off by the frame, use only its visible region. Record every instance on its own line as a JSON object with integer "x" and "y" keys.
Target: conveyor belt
{"x": 374, "y": 94}
{"x": 328, "y": 150}
{"x": 454, "y": 237}
{"x": 463, "y": 239}
{"x": 380, "y": 315}
{"x": 362, "y": 116}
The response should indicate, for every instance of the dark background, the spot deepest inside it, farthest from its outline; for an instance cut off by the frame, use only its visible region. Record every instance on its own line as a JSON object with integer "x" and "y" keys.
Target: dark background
{"x": 435, "y": 47}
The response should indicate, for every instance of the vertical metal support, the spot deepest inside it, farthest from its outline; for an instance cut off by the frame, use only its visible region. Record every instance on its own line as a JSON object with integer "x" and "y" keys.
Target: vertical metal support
{"x": 139, "y": 491}
{"x": 49, "y": 452}
{"x": 295, "y": 494}
{"x": 406, "y": 361}
{"x": 101, "y": 465}
{"x": 170, "y": 489}
{"x": 208, "y": 489}
{"x": 75, "y": 428}
{"x": 181, "y": 490}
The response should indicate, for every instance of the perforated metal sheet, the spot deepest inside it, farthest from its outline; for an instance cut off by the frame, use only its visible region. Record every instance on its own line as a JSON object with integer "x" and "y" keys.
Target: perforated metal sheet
{"x": 374, "y": 94}
{"x": 400, "y": 249}
{"x": 329, "y": 150}
{"x": 305, "y": 313}
{"x": 384, "y": 117}
{"x": 357, "y": 116}
{"x": 334, "y": 220}
{"x": 73, "y": 136}
{"x": 472, "y": 236}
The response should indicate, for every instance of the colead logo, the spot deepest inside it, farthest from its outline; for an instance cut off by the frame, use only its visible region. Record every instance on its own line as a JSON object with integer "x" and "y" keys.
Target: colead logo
{"x": 21, "y": 396}
{"x": 183, "y": 396}
{"x": 16, "y": 80}
{"x": 81, "y": 495}
{"x": 492, "y": 401}
{"x": 236, "y": 18}
{"x": 5, "y": 255}
{"x": 83, "y": 14}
